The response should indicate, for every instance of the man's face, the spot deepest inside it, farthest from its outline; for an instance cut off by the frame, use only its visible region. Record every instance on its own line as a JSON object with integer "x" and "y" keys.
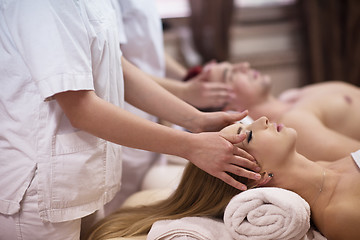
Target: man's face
{"x": 248, "y": 84}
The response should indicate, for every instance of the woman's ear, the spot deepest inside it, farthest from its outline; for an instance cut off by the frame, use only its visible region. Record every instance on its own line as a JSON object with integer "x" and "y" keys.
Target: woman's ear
{"x": 266, "y": 177}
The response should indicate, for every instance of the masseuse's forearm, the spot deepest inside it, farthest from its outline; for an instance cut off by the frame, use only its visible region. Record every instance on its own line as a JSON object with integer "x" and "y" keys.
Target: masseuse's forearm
{"x": 92, "y": 114}
{"x": 173, "y": 68}
{"x": 211, "y": 152}
{"x": 175, "y": 87}
{"x": 149, "y": 96}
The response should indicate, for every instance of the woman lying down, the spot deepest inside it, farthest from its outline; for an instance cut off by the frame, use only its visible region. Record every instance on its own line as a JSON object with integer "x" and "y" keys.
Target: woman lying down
{"x": 332, "y": 189}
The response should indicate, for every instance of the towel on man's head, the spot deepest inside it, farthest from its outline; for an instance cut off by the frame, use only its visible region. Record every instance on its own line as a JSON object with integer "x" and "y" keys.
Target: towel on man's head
{"x": 267, "y": 213}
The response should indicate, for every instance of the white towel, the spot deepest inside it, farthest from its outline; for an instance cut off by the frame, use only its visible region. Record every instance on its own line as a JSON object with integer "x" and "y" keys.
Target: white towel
{"x": 312, "y": 234}
{"x": 267, "y": 213}
{"x": 199, "y": 228}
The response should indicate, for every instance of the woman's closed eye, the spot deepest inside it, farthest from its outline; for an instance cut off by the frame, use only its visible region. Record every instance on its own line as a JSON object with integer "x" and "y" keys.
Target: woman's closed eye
{"x": 249, "y": 137}
{"x": 248, "y": 133}
{"x": 239, "y": 130}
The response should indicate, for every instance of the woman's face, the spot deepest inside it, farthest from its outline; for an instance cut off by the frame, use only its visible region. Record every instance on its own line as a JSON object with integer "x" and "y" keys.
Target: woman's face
{"x": 269, "y": 143}
{"x": 248, "y": 85}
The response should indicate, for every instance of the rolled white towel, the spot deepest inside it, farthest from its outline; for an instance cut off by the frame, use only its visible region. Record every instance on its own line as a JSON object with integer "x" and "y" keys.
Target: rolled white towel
{"x": 267, "y": 213}
{"x": 195, "y": 228}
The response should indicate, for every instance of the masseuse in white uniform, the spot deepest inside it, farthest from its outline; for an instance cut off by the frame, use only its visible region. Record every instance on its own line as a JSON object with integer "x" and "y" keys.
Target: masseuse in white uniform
{"x": 144, "y": 48}
{"x": 62, "y": 121}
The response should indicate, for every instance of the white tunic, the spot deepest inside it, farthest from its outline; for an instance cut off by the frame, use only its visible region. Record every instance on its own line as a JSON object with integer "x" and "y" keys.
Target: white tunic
{"x": 144, "y": 48}
{"x": 47, "y": 47}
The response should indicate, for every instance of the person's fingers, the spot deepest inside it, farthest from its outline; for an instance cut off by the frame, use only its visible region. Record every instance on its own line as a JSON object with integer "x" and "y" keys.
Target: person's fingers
{"x": 245, "y": 163}
{"x": 222, "y": 95}
{"x": 209, "y": 65}
{"x": 242, "y": 172}
{"x": 242, "y": 153}
{"x": 234, "y": 138}
{"x": 231, "y": 181}
{"x": 237, "y": 116}
{"x": 242, "y": 66}
{"x": 201, "y": 77}
{"x": 218, "y": 98}
{"x": 216, "y": 86}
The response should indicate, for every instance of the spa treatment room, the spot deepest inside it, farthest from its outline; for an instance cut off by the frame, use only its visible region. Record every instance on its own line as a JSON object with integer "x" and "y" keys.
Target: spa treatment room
{"x": 180, "y": 119}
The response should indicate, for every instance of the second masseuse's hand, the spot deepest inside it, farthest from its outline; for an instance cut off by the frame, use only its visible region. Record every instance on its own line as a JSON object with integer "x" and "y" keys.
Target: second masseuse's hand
{"x": 202, "y": 93}
{"x": 216, "y": 154}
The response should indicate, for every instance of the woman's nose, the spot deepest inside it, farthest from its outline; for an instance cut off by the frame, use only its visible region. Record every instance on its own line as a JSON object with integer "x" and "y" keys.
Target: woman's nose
{"x": 263, "y": 122}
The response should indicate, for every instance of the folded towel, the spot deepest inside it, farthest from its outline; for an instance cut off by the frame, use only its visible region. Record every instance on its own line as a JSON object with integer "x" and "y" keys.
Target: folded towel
{"x": 312, "y": 234}
{"x": 199, "y": 228}
{"x": 267, "y": 213}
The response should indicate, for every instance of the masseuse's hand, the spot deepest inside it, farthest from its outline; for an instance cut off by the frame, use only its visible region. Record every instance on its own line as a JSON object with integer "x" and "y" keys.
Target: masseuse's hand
{"x": 215, "y": 121}
{"x": 201, "y": 93}
{"x": 216, "y": 154}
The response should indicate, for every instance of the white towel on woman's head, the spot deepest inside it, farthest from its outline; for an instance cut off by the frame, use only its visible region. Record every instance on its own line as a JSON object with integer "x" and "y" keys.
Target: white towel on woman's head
{"x": 267, "y": 213}
{"x": 196, "y": 228}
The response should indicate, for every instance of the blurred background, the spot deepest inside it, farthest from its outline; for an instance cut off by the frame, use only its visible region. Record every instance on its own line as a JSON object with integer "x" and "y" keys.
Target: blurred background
{"x": 296, "y": 42}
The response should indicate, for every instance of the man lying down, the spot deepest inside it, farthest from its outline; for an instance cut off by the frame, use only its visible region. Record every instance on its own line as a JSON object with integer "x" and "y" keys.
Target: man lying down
{"x": 324, "y": 112}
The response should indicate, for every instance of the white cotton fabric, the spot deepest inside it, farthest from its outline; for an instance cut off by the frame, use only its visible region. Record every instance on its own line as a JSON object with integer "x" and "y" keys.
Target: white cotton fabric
{"x": 189, "y": 228}
{"x": 143, "y": 48}
{"x": 313, "y": 234}
{"x": 144, "y": 36}
{"x": 47, "y": 47}
{"x": 262, "y": 213}
{"x": 267, "y": 213}
{"x": 356, "y": 157}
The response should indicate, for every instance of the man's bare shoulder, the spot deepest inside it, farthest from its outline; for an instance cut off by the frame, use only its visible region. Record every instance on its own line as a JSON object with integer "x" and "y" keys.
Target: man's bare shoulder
{"x": 299, "y": 117}
{"x": 290, "y": 95}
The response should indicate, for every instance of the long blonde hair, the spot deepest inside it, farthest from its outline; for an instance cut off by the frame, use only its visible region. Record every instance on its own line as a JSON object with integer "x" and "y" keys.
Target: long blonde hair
{"x": 198, "y": 194}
